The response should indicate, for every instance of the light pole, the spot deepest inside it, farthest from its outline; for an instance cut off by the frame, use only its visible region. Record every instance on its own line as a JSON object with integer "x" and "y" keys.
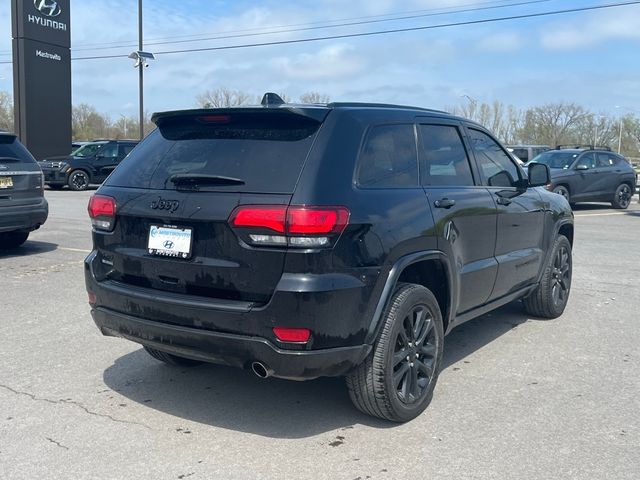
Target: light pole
{"x": 141, "y": 58}
{"x": 124, "y": 121}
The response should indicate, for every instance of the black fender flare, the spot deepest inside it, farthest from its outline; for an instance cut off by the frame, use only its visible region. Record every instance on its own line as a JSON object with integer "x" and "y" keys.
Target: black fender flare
{"x": 392, "y": 280}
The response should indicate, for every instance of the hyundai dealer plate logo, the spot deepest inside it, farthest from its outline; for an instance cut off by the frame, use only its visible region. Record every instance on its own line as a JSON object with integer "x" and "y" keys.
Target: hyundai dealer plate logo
{"x": 50, "y": 8}
{"x": 168, "y": 244}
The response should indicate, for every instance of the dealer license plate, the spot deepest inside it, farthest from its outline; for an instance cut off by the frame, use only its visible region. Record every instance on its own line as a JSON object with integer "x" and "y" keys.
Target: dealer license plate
{"x": 170, "y": 241}
{"x": 6, "y": 182}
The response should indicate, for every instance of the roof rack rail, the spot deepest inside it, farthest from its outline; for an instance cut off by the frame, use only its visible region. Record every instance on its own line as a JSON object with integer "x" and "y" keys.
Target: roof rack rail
{"x": 582, "y": 146}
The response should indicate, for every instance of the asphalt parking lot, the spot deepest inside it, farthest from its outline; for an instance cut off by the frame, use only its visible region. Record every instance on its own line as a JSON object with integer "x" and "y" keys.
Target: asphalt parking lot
{"x": 519, "y": 398}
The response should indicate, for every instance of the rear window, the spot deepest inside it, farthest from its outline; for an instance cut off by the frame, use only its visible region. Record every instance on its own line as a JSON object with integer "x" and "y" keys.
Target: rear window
{"x": 266, "y": 151}
{"x": 11, "y": 148}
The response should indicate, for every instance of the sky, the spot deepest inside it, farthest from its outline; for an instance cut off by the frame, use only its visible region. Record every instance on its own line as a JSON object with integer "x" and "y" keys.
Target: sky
{"x": 591, "y": 58}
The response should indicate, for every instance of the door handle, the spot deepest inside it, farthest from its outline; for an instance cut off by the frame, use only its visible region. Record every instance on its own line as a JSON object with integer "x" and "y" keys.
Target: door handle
{"x": 503, "y": 201}
{"x": 444, "y": 203}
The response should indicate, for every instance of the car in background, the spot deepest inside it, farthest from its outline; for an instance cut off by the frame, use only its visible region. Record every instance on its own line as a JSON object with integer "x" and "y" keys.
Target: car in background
{"x": 527, "y": 152}
{"x": 91, "y": 163}
{"x": 590, "y": 174}
{"x": 23, "y": 207}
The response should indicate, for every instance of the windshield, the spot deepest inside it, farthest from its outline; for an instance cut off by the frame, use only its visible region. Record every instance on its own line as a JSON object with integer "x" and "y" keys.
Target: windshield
{"x": 88, "y": 150}
{"x": 556, "y": 159}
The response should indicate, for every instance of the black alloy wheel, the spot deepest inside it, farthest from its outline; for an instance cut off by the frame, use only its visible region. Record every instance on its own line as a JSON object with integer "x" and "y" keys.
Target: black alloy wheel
{"x": 561, "y": 276}
{"x": 414, "y": 357}
{"x": 622, "y": 197}
{"x": 396, "y": 381}
{"x": 564, "y": 191}
{"x": 550, "y": 297}
{"x": 78, "y": 180}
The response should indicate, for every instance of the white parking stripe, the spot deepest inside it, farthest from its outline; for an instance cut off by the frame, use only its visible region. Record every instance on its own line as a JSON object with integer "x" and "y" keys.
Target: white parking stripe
{"x": 598, "y": 214}
{"x": 74, "y": 250}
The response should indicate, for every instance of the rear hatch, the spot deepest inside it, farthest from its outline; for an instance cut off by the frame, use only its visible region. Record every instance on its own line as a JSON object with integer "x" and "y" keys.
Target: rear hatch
{"x": 20, "y": 175}
{"x": 176, "y": 191}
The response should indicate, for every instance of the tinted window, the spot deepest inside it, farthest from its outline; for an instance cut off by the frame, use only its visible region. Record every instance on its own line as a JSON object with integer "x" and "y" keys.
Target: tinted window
{"x": 556, "y": 159}
{"x": 88, "y": 150}
{"x": 496, "y": 167}
{"x": 521, "y": 153}
{"x": 125, "y": 150}
{"x": 607, "y": 159}
{"x": 265, "y": 151}
{"x": 445, "y": 158}
{"x": 10, "y": 147}
{"x": 588, "y": 159}
{"x": 389, "y": 158}
{"x": 110, "y": 151}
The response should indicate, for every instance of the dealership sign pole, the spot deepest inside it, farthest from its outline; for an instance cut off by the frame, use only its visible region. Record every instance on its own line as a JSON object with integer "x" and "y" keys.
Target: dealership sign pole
{"x": 41, "y": 34}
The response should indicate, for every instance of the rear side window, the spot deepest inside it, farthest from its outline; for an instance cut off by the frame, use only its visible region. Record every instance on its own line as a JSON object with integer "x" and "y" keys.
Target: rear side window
{"x": 496, "y": 167}
{"x": 608, "y": 159}
{"x": 445, "y": 158}
{"x": 389, "y": 158}
{"x": 265, "y": 151}
{"x": 11, "y": 148}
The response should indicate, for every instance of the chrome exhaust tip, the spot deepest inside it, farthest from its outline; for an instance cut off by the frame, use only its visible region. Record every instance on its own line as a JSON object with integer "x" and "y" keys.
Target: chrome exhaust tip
{"x": 261, "y": 370}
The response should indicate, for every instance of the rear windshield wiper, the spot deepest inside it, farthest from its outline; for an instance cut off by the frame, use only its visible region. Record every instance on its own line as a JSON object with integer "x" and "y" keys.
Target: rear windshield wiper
{"x": 193, "y": 181}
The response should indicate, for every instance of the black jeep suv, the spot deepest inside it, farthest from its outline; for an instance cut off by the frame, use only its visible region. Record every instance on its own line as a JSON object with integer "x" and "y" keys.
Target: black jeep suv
{"x": 590, "y": 175}
{"x": 91, "y": 163}
{"x": 322, "y": 240}
{"x": 23, "y": 207}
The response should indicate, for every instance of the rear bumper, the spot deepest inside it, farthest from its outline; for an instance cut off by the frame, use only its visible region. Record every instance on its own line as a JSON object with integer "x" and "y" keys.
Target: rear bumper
{"x": 230, "y": 349}
{"x": 23, "y": 217}
{"x": 334, "y": 307}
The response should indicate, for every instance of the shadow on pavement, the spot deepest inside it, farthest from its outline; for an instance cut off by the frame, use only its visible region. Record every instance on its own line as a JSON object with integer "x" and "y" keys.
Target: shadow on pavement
{"x": 30, "y": 247}
{"x": 591, "y": 206}
{"x": 237, "y": 400}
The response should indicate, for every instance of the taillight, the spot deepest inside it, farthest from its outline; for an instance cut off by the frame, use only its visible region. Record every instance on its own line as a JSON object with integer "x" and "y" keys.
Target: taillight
{"x": 294, "y": 226}
{"x": 292, "y": 335}
{"x": 102, "y": 210}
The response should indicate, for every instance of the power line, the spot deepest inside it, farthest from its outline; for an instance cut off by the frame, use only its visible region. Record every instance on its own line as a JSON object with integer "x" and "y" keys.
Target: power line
{"x": 317, "y": 27}
{"x": 357, "y": 21}
{"x": 379, "y": 32}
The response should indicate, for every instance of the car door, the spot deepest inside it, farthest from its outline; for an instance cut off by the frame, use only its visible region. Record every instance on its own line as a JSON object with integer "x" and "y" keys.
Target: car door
{"x": 520, "y": 220}
{"x": 464, "y": 212}
{"x": 611, "y": 170}
{"x": 584, "y": 184}
{"x": 105, "y": 161}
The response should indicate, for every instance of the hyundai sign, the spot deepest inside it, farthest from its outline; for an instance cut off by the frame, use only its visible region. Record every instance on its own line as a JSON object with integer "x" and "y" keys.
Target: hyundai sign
{"x": 42, "y": 75}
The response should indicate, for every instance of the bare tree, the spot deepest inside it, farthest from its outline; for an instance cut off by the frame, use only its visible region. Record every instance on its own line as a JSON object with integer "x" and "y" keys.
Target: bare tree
{"x": 552, "y": 124}
{"x": 223, "y": 97}
{"x": 87, "y": 123}
{"x": 6, "y": 112}
{"x": 314, "y": 97}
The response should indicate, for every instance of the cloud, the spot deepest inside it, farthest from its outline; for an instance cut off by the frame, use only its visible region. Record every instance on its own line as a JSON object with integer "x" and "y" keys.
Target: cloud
{"x": 619, "y": 24}
{"x": 327, "y": 63}
{"x": 500, "y": 42}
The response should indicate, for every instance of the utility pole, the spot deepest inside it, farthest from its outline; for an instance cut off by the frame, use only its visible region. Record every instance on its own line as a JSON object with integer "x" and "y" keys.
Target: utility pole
{"x": 141, "y": 70}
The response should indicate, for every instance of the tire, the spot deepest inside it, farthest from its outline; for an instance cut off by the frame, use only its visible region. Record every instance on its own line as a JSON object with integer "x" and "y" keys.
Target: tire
{"x": 564, "y": 191}
{"x": 550, "y": 298}
{"x": 377, "y": 387}
{"x": 171, "y": 359}
{"x": 78, "y": 180}
{"x": 13, "y": 239}
{"x": 622, "y": 197}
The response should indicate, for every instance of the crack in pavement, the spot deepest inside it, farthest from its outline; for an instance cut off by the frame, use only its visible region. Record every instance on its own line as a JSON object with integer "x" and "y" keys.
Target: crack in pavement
{"x": 57, "y": 443}
{"x": 71, "y": 402}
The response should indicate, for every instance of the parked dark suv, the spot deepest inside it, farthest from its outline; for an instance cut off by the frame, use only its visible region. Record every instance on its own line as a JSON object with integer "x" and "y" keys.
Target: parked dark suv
{"x": 590, "y": 175}
{"x": 91, "y": 163}
{"x": 330, "y": 240}
{"x": 23, "y": 207}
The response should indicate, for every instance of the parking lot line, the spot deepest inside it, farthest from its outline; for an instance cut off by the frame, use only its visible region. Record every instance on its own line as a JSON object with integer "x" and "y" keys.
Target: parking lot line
{"x": 80, "y": 250}
{"x": 599, "y": 214}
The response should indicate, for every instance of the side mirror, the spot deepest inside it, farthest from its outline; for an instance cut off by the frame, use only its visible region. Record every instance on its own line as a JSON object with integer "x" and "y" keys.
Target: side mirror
{"x": 582, "y": 166}
{"x": 539, "y": 175}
